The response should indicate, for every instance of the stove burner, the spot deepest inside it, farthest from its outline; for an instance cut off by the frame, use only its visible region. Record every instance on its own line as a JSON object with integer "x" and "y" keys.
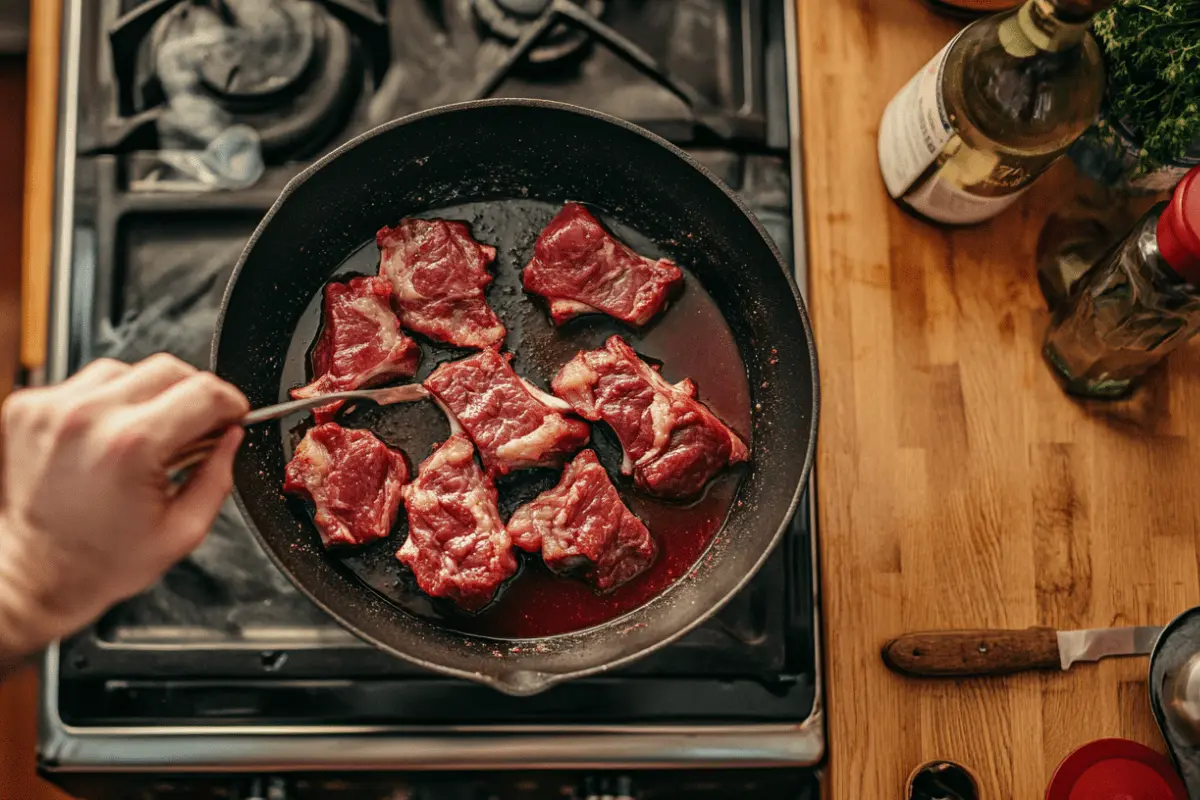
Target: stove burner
{"x": 284, "y": 67}
{"x": 510, "y": 20}
{"x": 291, "y": 69}
{"x": 279, "y": 40}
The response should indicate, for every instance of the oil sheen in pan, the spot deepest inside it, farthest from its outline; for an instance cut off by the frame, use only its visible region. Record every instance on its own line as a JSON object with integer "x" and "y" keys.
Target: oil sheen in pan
{"x": 691, "y": 339}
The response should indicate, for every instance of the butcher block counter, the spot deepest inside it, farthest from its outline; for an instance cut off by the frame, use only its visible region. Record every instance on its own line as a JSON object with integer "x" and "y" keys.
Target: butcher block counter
{"x": 958, "y": 487}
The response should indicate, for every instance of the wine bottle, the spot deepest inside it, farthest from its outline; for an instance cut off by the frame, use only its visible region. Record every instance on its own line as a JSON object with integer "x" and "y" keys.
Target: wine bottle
{"x": 992, "y": 111}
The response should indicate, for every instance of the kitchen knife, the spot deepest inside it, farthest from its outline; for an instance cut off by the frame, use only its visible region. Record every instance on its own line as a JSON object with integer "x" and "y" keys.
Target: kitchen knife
{"x": 933, "y": 654}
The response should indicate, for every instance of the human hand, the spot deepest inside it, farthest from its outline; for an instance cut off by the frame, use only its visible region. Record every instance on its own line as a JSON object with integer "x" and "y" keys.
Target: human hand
{"x": 90, "y": 516}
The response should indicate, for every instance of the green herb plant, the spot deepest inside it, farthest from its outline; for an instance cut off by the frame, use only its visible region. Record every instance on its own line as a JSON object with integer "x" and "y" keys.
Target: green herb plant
{"x": 1152, "y": 56}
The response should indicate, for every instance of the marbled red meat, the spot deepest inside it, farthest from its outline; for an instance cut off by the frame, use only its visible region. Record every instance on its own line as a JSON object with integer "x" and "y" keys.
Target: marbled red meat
{"x": 438, "y": 274}
{"x": 360, "y": 344}
{"x": 514, "y": 424}
{"x": 353, "y": 479}
{"x": 582, "y": 527}
{"x": 457, "y": 546}
{"x": 673, "y": 444}
{"x": 580, "y": 268}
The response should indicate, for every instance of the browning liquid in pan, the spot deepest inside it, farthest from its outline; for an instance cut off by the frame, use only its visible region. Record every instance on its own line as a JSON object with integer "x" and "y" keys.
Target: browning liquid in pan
{"x": 690, "y": 338}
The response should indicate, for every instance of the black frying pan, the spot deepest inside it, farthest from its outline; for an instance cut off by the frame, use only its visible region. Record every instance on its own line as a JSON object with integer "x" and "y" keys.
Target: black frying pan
{"x": 506, "y": 166}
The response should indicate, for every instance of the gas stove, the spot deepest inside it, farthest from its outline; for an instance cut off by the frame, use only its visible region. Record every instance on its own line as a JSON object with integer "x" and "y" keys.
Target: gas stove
{"x": 181, "y": 121}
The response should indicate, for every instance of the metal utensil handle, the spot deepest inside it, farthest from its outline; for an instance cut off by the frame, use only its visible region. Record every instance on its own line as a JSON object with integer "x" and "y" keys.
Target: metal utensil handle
{"x": 387, "y": 395}
{"x": 934, "y": 654}
{"x": 268, "y": 413}
{"x": 198, "y": 450}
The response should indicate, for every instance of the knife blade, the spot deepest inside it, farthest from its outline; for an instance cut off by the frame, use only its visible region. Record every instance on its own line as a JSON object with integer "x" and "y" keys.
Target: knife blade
{"x": 1002, "y": 652}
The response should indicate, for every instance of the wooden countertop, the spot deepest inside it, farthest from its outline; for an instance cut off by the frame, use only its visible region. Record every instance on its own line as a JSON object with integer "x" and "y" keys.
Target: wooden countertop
{"x": 958, "y": 487}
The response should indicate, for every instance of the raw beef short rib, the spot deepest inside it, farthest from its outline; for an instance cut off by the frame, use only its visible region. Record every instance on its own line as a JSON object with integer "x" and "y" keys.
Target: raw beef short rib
{"x": 514, "y": 424}
{"x": 673, "y": 444}
{"x": 360, "y": 345}
{"x": 580, "y": 268}
{"x": 353, "y": 479}
{"x": 438, "y": 274}
{"x": 582, "y": 527}
{"x": 457, "y": 547}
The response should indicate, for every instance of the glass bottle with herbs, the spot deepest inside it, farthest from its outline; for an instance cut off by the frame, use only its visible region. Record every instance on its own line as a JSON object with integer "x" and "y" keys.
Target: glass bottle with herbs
{"x": 1148, "y": 136}
{"x": 1135, "y": 305}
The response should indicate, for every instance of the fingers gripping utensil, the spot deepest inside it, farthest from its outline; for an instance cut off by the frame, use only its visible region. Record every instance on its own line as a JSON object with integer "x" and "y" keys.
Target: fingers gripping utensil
{"x": 934, "y": 654}
{"x": 198, "y": 450}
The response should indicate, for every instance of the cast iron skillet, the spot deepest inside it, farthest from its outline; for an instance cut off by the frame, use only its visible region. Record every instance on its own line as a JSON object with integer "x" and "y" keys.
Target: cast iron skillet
{"x": 473, "y": 155}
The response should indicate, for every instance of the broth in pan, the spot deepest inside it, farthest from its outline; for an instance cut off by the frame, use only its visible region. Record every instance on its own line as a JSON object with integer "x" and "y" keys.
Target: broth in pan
{"x": 691, "y": 339}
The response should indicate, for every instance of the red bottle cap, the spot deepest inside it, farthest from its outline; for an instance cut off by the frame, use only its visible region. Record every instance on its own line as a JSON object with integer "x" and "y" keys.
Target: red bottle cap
{"x": 1115, "y": 769}
{"x": 1179, "y": 229}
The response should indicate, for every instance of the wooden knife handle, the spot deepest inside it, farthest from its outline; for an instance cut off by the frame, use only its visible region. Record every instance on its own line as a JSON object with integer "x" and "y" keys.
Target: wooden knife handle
{"x": 961, "y": 653}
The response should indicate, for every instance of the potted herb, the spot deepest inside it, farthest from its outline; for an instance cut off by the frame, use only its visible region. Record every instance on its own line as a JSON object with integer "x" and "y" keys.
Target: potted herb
{"x": 1149, "y": 135}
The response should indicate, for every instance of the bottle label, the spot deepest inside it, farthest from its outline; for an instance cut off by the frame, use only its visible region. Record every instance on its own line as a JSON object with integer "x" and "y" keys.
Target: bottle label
{"x": 915, "y": 127}
{"x": 942, "y": 200}
{"x": 915, "y": 132}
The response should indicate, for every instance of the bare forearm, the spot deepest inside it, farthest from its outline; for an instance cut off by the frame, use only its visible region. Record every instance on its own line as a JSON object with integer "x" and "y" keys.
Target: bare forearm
{"x": 22, "y": 627}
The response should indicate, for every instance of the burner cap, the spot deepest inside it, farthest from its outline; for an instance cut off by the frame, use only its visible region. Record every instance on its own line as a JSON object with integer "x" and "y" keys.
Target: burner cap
{"x": 286, "y": 68}
{"x": 279, "y": 45}
{"x": 248, "y": 50}
{"x": 510, "y": 19}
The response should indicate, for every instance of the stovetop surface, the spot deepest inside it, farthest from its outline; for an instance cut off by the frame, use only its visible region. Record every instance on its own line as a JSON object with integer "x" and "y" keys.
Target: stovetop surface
{"x": 224, "y": 639}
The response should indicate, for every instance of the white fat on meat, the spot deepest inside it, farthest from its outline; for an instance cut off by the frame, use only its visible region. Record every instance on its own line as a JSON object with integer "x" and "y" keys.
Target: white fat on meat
{"x": 547, "y": 399}
{"x": 513, "y": 423}
{"x": 533, "y": 445}
{"x": 671, "y": 442}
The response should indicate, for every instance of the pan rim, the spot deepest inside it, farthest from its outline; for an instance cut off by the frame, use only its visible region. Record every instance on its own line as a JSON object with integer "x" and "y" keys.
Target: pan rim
{"x": 542, "y": 681}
